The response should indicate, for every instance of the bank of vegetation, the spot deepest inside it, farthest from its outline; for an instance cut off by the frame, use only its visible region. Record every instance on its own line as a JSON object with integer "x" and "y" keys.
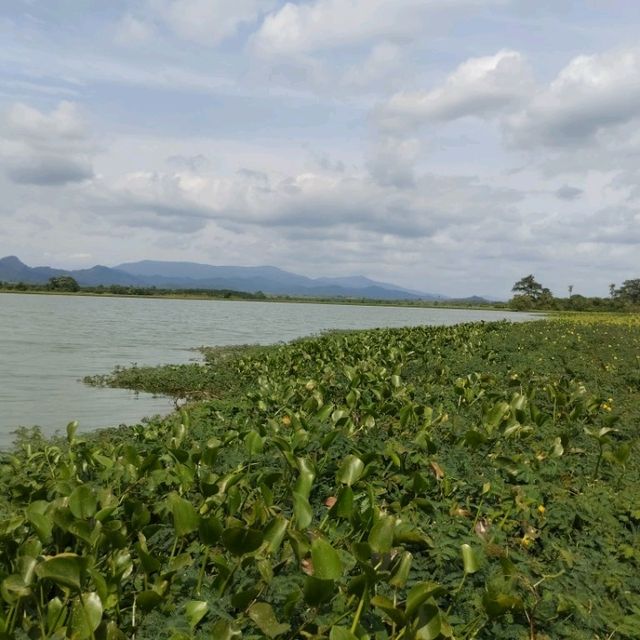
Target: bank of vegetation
{"x": 476, "y": 481}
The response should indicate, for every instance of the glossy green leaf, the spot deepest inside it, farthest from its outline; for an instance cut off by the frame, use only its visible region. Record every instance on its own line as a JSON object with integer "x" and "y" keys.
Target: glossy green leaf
{"x": 429, "y": 623}
{"x": 86, "y": 615}
{"x": 350, "y": 470}
{"x": 65, "y": 569}
{"x": 420, "y": 593}
{"x": 83, "y": 502}
{"x": 400, "y": 570}
{"x": 389, "y": 609}
{"x": 326, "y": 560}
{"x": 55, "y": 617}
{"x": 275, "y": 533}
{"x": 195, "y": 611}
{"x": 265, "y": 619}
{"x": 40, "y": 519}
{"x": 302, "y": 510}
{"x": 381, "y": 534}
{"x": 185, "y": 517}
{"x": 469, "y": 559}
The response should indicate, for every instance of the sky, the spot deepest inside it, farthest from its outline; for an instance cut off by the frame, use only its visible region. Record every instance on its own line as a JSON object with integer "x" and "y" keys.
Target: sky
{"x": 450, "y": 146}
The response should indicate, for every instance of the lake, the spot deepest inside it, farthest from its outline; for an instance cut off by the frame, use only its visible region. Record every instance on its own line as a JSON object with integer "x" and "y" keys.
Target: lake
{"x": 49, "y": 343}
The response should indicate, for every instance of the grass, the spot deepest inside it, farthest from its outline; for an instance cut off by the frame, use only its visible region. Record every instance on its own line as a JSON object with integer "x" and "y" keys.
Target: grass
{"x": 477, "y": 481}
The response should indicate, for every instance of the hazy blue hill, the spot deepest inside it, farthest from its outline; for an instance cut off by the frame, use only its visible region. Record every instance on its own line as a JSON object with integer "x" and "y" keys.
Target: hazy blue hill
{"x": 192, "y": 275}
{"x": 208, "y": 272}
{"x": 269, "y": 280}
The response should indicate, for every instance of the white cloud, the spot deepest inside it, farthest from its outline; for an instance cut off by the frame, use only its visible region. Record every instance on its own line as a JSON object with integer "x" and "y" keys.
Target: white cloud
{"x": 47, "y": 149}
{"x": 325, "y": 24}
{"x": 208, "y": 22}
{"x": 591, "y": 95}
{"x": 63, "y": 123}
{"x": 479, "y": 87}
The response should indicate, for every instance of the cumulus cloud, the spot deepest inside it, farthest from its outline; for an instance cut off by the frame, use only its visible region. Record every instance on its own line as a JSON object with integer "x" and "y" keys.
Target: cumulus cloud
{"x": 309, "y": 204}
{"x": 207, "y": 22}
{"x": 62, "y": 124}
{"x": 592, "y": 94}
{"x": 45, "y": 149}
{"x": 325, "y": 24}
{"x": 479, "y": 87}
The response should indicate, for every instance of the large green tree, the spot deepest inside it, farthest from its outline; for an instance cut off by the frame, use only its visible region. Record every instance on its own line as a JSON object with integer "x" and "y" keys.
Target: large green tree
{"x": 529, "y": 286}
{"x": 630, "y": 291}
{"x": 63, "y": 283}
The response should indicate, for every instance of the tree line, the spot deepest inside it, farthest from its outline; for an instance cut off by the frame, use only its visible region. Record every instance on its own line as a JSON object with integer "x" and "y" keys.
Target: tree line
{"x": 530, "y": 294}
{"x": 68, "y": 284}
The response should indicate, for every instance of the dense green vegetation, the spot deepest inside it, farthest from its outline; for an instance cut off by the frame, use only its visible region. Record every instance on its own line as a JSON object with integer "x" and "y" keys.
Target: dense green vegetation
{"x": 67, "y": 284}
{"x": 477, "y": 481}
{"x": 531, "y": 295}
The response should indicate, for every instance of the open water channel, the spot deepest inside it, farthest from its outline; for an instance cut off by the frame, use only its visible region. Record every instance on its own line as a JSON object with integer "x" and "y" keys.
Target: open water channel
{"x": 49, "y": 343}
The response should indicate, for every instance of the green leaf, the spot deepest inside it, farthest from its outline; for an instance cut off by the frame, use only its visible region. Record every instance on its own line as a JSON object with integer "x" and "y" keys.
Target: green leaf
{"x": 469, "y": 559}
{"x": 381, "y": 534}
{"x": 210, "y": 530}
{"x": 55, "y": 615}
{"x": 302, "y": 510}
{"x": 400, "y": 570}
{"x": 318, "y": 591}
{"x": 350, "y": 470}
{"x": 389, "y": 609}
{"x": 240, "y": 540}
{"x": 265, "y": 619}
{"x": 254, "y": 443}
{"x": 13, "y": 588}
{"x": 429, "y": 622}
{"x": 195, "y": 610}
{"x": 495, "y": 415}
{"x": 326, "y": 560}
{"x": 65, "y": 569}
{"x": 40, "y": 520}
{"x": 274, "y": 534}
{"x": 72, "y": 427}
{"x": 341, "y": 633}
{"x": 148, "y": 600}
{"x": 419, "y": 594}
{"x": 86, "y": 615}
{"x": 83, "y": 502}
{"x": 305, "y": 479}
{"x": 224, "y": 630}
{"x": 185, "y": 517}
{"x": 343, "y": 507}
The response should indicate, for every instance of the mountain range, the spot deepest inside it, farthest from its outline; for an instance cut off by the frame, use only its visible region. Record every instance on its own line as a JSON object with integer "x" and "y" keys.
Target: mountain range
{"x": 192, "y": 275}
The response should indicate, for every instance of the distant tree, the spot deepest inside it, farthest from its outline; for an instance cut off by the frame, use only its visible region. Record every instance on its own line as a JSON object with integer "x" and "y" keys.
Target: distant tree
{"x": 528, "y": 286}
{"x": 63, "y": 283}
{"x": 612, "y": 290}
{"x": 570, "y": 290}
{"x": 630, "y": 291}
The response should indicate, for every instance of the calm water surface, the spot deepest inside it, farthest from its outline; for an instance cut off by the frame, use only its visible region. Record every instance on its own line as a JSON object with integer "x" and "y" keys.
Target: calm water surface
{"x": 49, "y": 343}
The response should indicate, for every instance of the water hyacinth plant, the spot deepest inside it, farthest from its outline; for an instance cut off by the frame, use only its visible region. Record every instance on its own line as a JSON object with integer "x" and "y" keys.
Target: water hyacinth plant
{"x": 477, "y": 481}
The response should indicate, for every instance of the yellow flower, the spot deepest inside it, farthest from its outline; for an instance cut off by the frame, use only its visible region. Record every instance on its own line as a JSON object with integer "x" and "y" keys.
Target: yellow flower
{"x": 541, "y": 509}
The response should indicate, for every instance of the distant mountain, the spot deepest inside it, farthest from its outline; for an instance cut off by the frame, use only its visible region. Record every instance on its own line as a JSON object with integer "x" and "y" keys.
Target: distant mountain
{"x": 272, "y": 280}
{"x": 191, "y": 275}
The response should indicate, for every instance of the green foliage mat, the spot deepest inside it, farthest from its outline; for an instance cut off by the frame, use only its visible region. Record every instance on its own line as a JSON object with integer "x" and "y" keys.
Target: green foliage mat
{"x": 477, "y": 481}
